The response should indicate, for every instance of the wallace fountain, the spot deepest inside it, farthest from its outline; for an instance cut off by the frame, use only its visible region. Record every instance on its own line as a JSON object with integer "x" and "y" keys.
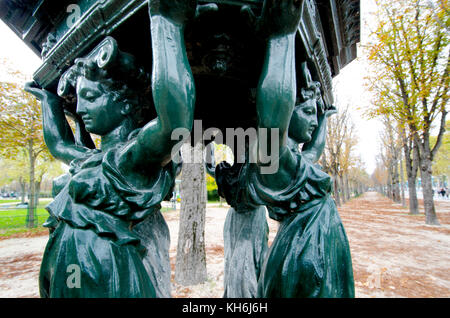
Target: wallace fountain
{"x": 134, "y": 72}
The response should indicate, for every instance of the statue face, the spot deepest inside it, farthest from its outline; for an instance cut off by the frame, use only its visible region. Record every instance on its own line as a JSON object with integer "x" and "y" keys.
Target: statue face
{"x": 97, "y": 108}
{"x": 303, "y": 121}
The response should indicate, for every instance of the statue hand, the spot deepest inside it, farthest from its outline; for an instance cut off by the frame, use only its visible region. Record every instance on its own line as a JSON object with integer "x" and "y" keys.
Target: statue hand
{"x": 278, "y": 17}
{"x": 206, "y": 8}
{"x": 40, "y": 93}
{"x": 330, "y": 111}
{"x": 177, "y": 11}
{"x": 322, "y": 117}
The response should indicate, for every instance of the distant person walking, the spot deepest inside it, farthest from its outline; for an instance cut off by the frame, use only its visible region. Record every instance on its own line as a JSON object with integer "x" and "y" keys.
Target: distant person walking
{"x": 443, "y": 192}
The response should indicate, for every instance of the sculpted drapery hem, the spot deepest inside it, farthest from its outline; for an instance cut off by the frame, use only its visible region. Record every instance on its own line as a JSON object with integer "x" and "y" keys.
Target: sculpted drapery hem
{"x": 94, "y": 214}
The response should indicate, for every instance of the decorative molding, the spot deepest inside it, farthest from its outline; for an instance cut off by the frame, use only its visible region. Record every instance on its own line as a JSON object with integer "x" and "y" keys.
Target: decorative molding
{"x": 350, "y": 16}
{"x": 311, "y": 33}
{"x": 102, "y": 17}
{"x": 98, "y": 21}
{"x": 341, "y": 19}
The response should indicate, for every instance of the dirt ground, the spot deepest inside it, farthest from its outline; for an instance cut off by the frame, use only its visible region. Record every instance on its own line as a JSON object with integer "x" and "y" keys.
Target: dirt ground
{"x": 394, "y": 254}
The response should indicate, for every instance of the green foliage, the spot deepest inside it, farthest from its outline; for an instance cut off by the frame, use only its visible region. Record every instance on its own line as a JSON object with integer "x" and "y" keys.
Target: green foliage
{"x": 20, "y": 121}
{"x": 213, "y": 195}
{"x": 21, "y": 141}
{"x": 221, "y": 153}
{"x": 410, "y": 61}
{"x": 441, "y": 164}
{"x": 211, "y": 188}
{"x": 210, "y": 183}
{"x": 12, "y": 169}
{"x": 18, "y": 168}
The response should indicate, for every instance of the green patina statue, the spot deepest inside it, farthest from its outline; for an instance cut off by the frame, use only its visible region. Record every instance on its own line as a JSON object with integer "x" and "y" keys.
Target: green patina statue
{"x": 245, "y": 232}
{"x": 111, "y": 190}
{"x": 105, "y": 220}
{"x": 310, "y": 256}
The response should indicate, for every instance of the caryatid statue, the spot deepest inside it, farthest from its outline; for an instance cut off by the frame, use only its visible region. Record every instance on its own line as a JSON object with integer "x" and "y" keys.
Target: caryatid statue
{"x": 105, "y": 218}
{"x": 310, "y": 256}
{"x": 110, "y": 190}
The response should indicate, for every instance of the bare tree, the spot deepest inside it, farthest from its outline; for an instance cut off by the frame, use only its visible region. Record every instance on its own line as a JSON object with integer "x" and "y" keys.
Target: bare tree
{"x": 392, "y": 147}
{"x": 338, "y": 156}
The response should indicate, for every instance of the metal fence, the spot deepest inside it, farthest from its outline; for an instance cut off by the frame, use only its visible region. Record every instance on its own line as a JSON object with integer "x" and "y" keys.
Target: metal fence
{"x": 13, "y": 215}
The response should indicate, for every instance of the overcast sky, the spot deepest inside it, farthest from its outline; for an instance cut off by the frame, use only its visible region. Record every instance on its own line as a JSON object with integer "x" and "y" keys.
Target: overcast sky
{"x": 19, "y": 56}
{"x": 350, "y": 90}
{"x": 349, "y": 83}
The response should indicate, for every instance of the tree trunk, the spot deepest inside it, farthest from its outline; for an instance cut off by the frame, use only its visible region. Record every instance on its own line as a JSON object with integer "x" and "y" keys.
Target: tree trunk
{"x": 413, "y": 202}
{"x": 411, "y": 163}
{"x": 427, "y": 186}
{"x": 37, "y": 189}
{"x": 343, "y": 190}
{"x": 347, "y": 188}
{"x": 336, "y": 190}
{"x": 351, "y": 188}
{"x": 23, "y": 190}
{"x": 395, "y": 181}
{"x": 389, "y": 184}
{"x": 428, "y": 202}
{"x": 441, "y": 181}
{"x": 190, "y": 266}
{"x": 402, "y": 182}
{"x": 31, "y": 222}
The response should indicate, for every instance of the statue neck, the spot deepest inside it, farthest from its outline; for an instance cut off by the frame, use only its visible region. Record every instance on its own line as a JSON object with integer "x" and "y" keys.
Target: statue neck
{"x": 117, "y": 136}
{"x": 292, "y": 145}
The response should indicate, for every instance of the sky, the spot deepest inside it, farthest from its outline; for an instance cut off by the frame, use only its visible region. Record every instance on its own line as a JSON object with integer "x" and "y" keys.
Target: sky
{"x": 350, "y": 90}
{"x": 349, "y": 83}
{"x": 19, "y": 56}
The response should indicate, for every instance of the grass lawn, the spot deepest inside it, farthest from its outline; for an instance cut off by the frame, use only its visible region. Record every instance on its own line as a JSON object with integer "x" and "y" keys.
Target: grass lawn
{"x": 22, "y": 232}
{"x": 9, "y": 201}
{"x": 166, "y": 209}
{"x": 17, "y": 217}
{"x": 14, "y": 221}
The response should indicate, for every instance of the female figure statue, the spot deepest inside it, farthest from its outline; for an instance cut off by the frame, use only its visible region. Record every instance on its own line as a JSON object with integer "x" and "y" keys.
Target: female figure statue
{"x": 310, "y": 256}
{"x": 245, "y": 232}
{"x": 111, "y": 190}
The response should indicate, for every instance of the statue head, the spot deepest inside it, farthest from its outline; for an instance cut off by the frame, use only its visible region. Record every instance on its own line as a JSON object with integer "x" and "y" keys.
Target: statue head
{"x": 308, "y": 104}
{"x": 111, "y": 90}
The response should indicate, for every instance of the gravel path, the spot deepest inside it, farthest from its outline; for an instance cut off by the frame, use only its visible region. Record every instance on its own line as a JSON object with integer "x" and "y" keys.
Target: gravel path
{"x": 394, "y": 254}
{"x": 20, "y": 259}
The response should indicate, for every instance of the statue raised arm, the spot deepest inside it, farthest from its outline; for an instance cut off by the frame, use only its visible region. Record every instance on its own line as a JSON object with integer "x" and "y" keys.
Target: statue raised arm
{"x": 113, "y": 190}
{"x": 310, "y": 256}
{"x": 58, "y": 135}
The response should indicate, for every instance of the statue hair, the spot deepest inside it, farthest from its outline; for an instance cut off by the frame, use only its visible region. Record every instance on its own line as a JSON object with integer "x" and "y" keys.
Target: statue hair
{"x": 117, "y": 73}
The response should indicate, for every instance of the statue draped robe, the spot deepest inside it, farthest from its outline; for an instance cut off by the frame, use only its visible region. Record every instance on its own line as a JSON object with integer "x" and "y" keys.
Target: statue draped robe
{"x": 91, "y": 221}
{"x": 310, "y": 255}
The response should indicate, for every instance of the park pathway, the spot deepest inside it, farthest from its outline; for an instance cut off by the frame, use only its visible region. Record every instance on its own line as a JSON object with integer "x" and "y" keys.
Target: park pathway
{"x": 394, "y": 254}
